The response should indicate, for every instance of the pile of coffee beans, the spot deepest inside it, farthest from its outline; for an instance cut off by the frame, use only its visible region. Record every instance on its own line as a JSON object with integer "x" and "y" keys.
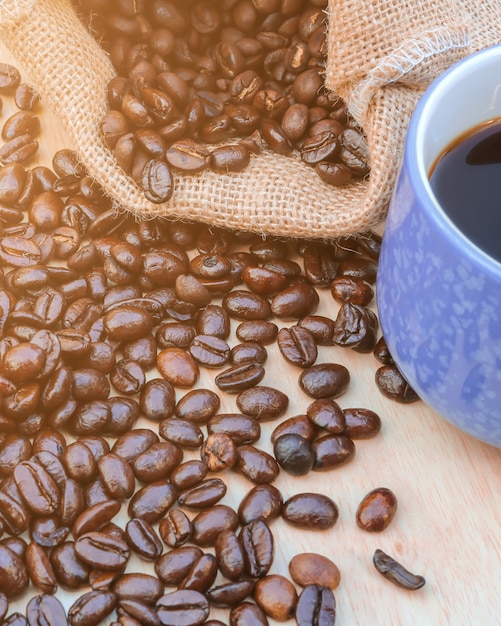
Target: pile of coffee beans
{"x": 207, "y": 83}
{"x": 111, "y": 448}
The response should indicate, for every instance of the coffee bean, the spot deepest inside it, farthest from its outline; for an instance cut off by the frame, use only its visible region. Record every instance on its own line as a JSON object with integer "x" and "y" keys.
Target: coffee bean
{"x": 10, "y": 78}
{"x": 91, "y": 608}
{"x": 132, "y": 443}
{"x": 395, "y": 572}
{"x": 260, "y": 331}
{"x": 198, "y": 406}
{"x": 246, "y": 305}
{"x": 309, "y": 568}
{"x": 117, "y": 476}
{"x": 297, "y": 346}
{"x": 294, "y": 453}
{"x": 276, "y": 596}
{"x": 248, "y": 352}
{"x": 382, "y": 353}
{"x": 262, "y": 402}
{"x": 157, "y": 462}
{"x": 210, "y": 351}
{"x": 230, "y": 593}
{"x": 327, "y": 414}
{"x": 69, "y": 569}
{"x": 295, "y": 302}
{"x": 95, "y": 517}
{"x": 257, "y": 544}
{"x": 361, "y": 423}
{"x": 127, "y": 323}
{"x": 40, "y": 569}
{"x": 376, "y": 510}
{"x": 181, "y": 432}
{"x": 208, "y": 524}
{"x": 310, "y": 510}
{"x": 205, "y": 494}
{"x": 177, "y": 367}
{"x": 229, "y": 555}
{"x": 247, "y": 614}
{"x": 242, "y": 429}
{"x": 393, "y": 385}
{"x": 324, "y": 380}
{"x": 213, "y": 320}
{"x": 143, "y": 539}
{"x": 185, "y": 606}
{"x": 45, "y": 609}
{"x": 37, "y": 487}
{"x": 316, "y": 606}
{"x": 263, "y": 281}
{"x": 201, "y": 575}
{"x": 256, "y": 464}
{"x": 173, "y": 566}
{"x": 102, "y": 551}
{"x": 152, "y": 501}
{"x": 144, "y": 587}
{"x": 188, "y": 474}
{"x": 239, "y": 377}
{"x": 175, "y": 528}
{"x": 261, "y": 502}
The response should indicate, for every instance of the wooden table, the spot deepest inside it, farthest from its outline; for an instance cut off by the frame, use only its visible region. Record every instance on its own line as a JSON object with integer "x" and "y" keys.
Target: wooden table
{"x": 448, "y": 485}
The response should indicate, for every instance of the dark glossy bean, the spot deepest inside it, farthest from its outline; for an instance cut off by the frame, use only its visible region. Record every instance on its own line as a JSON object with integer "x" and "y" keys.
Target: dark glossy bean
{"x": 393, "y": 385}
{"x": 240, "y": 377}
{"x": 324, "y": 380}
{"x": 202, "y": 574}
{"x": 276, "y": 596}
{"x": 257, "y": 544}
{"x": 310, "y": 568}
{"x": 91, "y": 608}
{"x": 37, "y": 487}
{"x": 316, "y": 606}
{"x": 188, "y": 474}
{"x": 219, "y": 452}
{"x": 13, "y": 574}
{"x": 376, "y": 510}
{"x": 40, "y": 569}
{"x": 295, "y": 302}
{"x": 229, "y": 554}
{"x": 157, "y": 462}
{"x": 181, "y": 432}
{"x": 256, "y": 464}
{"x": 102, "y": 551}
{"x": 178, "y": 367}
{"x": 117, "y": 476}
{"x": 208, "y": 524}
{"x": 245, "y": 305}
{"x": 361, "y": 423}
{"x": 69, "y": 569}
{"x": 382, "y": 353}
{"x": 198, "y": 406}
{"x": 248, "y": 352}
{"x": 241, "y": 428}
{"x": 261, "y": 502}
{"x": 299, "y": 425}
{"x": 294, "y": 453}
{"x": 260, "y": 331}
{"x": 175, "y": 528}
{"x": 95, "y": 517}
{"x": 138, "y": 586}
{"x": 132, "y": 443}
{"x": 157, "y": 399}
{"x": 185, "y": 606}
{"x": 395, "y": 572}
{"x": 310, "y": 510}
{"x": 321, "y": 327}
{"x": 152, "y": 501}
{"x": 248, "y": 614}
{"x": 128, "y": 323}
{"x": 332, "y": 451}
{"x": 173, "y": 566}
{"x": 142, "y": 538}
{"x": 297, "y": 346}
{"x": 45, "y": 609}
{"x": 327, "y": 414}
{"x": 213, "y": 320}
{"x": 210, "y": 351}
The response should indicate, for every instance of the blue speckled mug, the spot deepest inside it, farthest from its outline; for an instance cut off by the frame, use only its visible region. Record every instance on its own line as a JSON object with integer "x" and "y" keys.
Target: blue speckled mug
{"x": 439, "y": 295}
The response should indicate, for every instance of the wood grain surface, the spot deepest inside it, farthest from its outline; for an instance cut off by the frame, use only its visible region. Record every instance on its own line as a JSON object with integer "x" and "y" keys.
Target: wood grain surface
{"x": 448, "y": 485}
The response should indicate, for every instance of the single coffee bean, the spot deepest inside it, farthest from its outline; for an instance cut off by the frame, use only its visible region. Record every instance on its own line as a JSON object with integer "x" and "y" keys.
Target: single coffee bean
{"x": 173, "y": 566}
{"x": 321, "y": 327}
{"x": 178, "y": 367}
{"x": 102, "y": 551}
{"x": 203, "y": 495}
{"x": 395, "y": 572}
{"x": 316, "y": 606}
{"x": 261, "y": 502}
{"x": 295, "y": 302}
{"x": 210, "y": 351}
{"x": 248, "y": 614}
{"x": 95, "y": 517}
{"x": 157, "y": 399}
{"x": 37, "y": 487}
{"x": 259, "y": 331}
{"x": 213, "y": 320}
{"x": 208, "y": 524}
{"x": 188, "y": 474}
{"x": 185, "y": 606}
{"x": 40, "y": 569}
{"x": 152, "y": 501}
{"x": 132, "y": 443}
{"x": 361, "y": 423}
{"x": 175, "y": 528}
{"x": 327, "y": 414}
{"x": 263, "y": 281}
{"x": 256, "y": 465}
{"x": 351, "y": 289}
{"x": 376, "y": 510}
{"x": 13, "y": 574}
{"x": 277, "y": 596}
{"x": 181, "y": 432}
{"x": 246, "y": 305}
{"x": 201, "y": 575}
{"x": 382, "y": 353}
{"x": 248, "y": 352}
{"x": 230, "y": 593}
{"x": 310, "y": 510}
{"x": 324, "y": 380}
{"x": 392, "y": 384}
{"x": 157, "y": 462}
{"x": 138, "y": 586}
{"x": 297, "y": 346}
{"x": 128, "y": 323}
{"x": 294, "y": 453}
{"x": 299, "y": 425}
{"x": 331, "y": 451}
{"x": 219, "y": 452}
{"x": 70, "y": 571}
{"x": 238, "y": 377}
{"x": 91, "y": 608}
{"x": 262, "y": 402}
{"x": 257, "y": 544}
{"x": 310, "y": 568}
{"x": 229, "y": 555}
{"x": 117, "y": 476}
{"x": 198, "y": 406}
{"x": 142, "y": 538}
{"x": 242, "y": 429}
{"x": 45, "y": 609}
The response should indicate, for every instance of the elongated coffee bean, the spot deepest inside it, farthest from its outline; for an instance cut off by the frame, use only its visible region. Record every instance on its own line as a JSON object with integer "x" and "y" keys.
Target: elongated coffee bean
{"x": 395, "y": 572}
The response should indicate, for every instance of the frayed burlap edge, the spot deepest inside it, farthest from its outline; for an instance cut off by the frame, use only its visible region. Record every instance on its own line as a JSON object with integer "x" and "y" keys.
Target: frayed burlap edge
{"x": 275, "y": 195}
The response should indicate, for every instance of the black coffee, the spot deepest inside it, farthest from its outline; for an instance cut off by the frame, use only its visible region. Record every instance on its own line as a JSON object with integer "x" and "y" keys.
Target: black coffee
{"x": 466, "y": 180}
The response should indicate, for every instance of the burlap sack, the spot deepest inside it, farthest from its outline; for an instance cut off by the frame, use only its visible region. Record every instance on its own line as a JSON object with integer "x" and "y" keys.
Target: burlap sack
{"x": 381, "y": 56}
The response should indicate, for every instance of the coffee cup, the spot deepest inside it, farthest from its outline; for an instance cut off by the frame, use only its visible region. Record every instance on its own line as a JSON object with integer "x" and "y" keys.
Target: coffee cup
{"x": 439, "y": 278}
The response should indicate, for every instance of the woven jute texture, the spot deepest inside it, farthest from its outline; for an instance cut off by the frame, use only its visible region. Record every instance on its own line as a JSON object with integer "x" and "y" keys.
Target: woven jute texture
{"x": 381, "y": 57}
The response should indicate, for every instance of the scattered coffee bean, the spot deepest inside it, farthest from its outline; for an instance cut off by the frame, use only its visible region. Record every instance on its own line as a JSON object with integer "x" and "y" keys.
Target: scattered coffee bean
{"x": 313, "y": 511}
{"x": 309, "y": 568}
{"x": 316, "y": 606}
{"x": 376, "y": 510}
{"x": 395, "y": 572}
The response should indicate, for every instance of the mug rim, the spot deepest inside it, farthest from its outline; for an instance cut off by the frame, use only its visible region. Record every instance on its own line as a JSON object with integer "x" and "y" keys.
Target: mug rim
{"x": 414, "y": 156}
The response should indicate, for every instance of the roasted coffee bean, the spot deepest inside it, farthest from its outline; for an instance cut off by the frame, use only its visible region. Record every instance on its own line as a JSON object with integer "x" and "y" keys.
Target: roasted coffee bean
{"x": 175, "y": 528}
{"x": 294, "y": 453}
{"x": 152, "y": 501}
{"x": 198, "y": 406}
{"x": 37, "y": 487}
{"x": 257, "y": 544}
{"x": 208, "y": 524}
{"x": 138, "y": 586}
{"x": 157, "y": 462}
{"x": 210, "y": 351}
{"x": 70, "y": 571}
{"x": 241, "y": 428}
{"x": 297, "y": 346}
{"x": 309, "y": 568}
{"x": 181, "y": 432}
{"x": 174, "y": 335}
{"x": 188, "y": 474}
{"x": 229, "y": 554}
{"x": 4, "y": 605}
{"x": 240, "y": 377}
{"x": 299, "y": 424}
{"x": 354, "y": 151}
{"x": 262, "y": 402}
{"x": 261, "y": 502}
{"x": 246, "y": 305}
{"x": 327, "y": 414}
{"x": 361, "y": 423}
{"x": 393, "y": 385}
{"x": 157, "y": 399}
{"x": 332, "y": 451}
{"x": 263, "y": 281}
{"x": 173, "y": 566}
{"x": 13, "y": 574}
{"x": 127, "y": 377}
{"x": 355, "y": 327}
{"x": 395, "y": 572}
{"x": 376, "y": 510}
{"x": 310, "y": 510}
{"x": 324, "y": 380}
{"x": 316, "y": 606}
{"x": 40, "y": 569}
{"x": 248, "y": 352}
{"x": 23, "y": 362}
{"x": 185, "y": 606}
{"x": 20, "y": 149}
{"x": 351, "y": 289}
{"x": 219, "y": 452}
{"x": 142, "y": 538}
{"x": 142, "y": 351}
{"x": 230, "y": 593}
{"x": 359, "y": 267}
{"x": 191, "y": 289}
{"x": 259, "y": 331}
{"x": 295, "y": 302}
{"x": 247, "y": 614}
{"x": 127, "y": 323}
{"x": 382, "y": 353}
{"x": 95, "y": 517}
{"x": 117, "y": 476}
{"x": 276, "y": 596}
{"x": 213, "y": 320}
{"x": 102, "y": 551}
{"x": 91, "y": 608}
{"x": 256, "y": 465}
{"x": 132, "y": 443}
{"x": 178, "y": 367}
{"x": 202, "y": 574}
{"x": 321, "y": 327}
{"x": 45, "y": 609}
{"x": 131, "y": 611}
